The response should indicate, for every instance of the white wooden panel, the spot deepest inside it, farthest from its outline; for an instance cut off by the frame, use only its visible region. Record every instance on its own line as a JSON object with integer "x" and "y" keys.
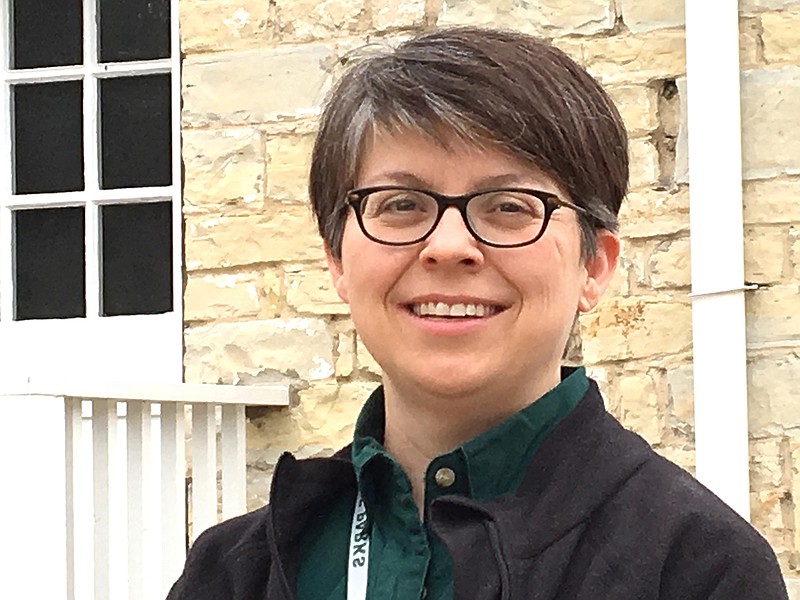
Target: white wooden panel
{"x": 234, "y": 468}
{"x": 33, "y": 497}
{"x": 74, "y": 477}
{"x": 104, "y": 423}
{"x": 139, "y": 477}
{"x": 204, "y": 468}
{"x": 173, "y": 493}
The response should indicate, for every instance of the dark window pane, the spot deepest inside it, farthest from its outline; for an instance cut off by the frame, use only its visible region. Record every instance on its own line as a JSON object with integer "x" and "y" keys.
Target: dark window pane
{"x": 136, "y": 258}
{"x": 46, "y": 33}
{"x": 136, "y": 131}
{"x": 134, "y": 30}
{"x": 49, "y": 263}
{"x": 48, "y": 137}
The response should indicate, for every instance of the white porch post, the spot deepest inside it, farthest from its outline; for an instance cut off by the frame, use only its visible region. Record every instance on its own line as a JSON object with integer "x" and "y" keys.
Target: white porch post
{"x": 718, "y": 317}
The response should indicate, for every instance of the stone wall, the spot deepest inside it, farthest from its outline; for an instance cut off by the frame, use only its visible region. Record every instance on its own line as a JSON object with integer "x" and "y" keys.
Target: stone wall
{"x": 259, "y": 307}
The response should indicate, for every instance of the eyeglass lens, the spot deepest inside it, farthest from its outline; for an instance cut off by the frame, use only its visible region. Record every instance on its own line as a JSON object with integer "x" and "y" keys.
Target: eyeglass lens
{"x": 505, "y": 217}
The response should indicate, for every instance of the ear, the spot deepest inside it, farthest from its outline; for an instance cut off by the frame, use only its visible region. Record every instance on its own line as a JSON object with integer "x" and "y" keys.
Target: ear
{"x": 337, "y": 274}
{"x": 599, "y": 270}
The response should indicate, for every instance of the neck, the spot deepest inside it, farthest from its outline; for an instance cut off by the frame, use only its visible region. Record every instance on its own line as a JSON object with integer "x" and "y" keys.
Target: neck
{"x": 421, "y": 426}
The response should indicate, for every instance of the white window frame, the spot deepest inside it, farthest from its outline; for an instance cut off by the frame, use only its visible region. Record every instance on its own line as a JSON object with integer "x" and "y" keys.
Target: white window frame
{"x": 129, "y": 348}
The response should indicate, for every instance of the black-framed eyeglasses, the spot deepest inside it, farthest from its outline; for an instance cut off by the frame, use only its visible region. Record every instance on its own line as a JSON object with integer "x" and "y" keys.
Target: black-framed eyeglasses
{"x": 497, "y": 217}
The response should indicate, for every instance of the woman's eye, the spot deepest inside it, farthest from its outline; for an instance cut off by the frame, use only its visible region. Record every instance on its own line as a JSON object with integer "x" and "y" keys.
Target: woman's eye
{"x": 511, "y": 207}
{"x": 400, "y": 205}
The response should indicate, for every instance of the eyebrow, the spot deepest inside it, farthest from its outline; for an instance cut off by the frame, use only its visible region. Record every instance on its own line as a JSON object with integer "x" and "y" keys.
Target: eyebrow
{"x": 411, "y": 179}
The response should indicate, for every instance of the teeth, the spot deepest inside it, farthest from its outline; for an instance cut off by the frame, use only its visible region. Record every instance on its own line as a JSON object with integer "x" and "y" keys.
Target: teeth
{"x": 440, "y": 309}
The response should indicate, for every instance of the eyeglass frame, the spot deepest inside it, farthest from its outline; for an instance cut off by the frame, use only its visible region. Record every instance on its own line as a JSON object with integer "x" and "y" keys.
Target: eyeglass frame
{"x": 552, "y": 202}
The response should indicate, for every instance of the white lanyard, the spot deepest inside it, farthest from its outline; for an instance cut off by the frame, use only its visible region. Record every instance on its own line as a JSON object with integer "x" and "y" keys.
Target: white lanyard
{"x": 358, "y": 558}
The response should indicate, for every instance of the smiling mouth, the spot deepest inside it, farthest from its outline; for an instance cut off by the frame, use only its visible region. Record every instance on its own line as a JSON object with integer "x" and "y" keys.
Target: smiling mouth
{"x": 454, "y": 311}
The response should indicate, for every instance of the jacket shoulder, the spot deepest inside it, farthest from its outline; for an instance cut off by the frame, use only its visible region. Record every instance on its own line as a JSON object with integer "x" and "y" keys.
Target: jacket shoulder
{"x": 226, "y": 560}
{"x": 711, "y": 552}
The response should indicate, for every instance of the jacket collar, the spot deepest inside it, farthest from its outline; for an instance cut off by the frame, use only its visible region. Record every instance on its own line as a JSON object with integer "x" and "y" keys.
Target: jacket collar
{"x": 582, "y": 462}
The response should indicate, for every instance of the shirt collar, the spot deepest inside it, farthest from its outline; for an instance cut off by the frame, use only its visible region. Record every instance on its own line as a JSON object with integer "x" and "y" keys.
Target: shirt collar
{"x": 487, "y": 466}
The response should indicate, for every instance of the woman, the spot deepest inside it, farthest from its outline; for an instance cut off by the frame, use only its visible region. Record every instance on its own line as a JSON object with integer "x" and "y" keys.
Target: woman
{"x": 467, "y": 186}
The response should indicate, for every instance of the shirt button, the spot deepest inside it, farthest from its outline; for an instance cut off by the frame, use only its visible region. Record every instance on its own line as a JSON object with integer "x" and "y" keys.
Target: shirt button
{"x": 445, "y": 477}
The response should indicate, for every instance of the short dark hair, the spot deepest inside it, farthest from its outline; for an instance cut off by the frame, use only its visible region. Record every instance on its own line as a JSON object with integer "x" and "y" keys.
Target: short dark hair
{"x": 495, "y": 88}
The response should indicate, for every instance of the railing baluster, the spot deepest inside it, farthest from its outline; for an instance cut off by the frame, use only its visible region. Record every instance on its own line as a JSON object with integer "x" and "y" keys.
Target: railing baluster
{"x": 234, "y": 471}
{"x": 204, "y": 468}
{"x": 138, "y": 466}
{"x": 72, "y": 454}
{"x": 173, "y": 493}
{"x": 104, "y": 421}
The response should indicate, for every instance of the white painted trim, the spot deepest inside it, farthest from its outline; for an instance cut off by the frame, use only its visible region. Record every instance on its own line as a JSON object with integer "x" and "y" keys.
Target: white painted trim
{"x": 163, "y": 332}
{"x": 718, "y": 320}
{"x": 249, "y": 395}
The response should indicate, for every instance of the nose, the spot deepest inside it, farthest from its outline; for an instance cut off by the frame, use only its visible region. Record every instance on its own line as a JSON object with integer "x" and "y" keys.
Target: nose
{"x": 451, "y": 243}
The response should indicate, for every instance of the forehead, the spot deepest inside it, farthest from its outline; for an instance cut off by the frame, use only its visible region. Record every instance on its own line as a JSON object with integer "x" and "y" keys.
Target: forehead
{"x": 445, "y": 160}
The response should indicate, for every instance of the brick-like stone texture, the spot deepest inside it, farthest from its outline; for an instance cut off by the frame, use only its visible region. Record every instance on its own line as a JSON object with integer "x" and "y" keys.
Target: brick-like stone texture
{"x": 641, "y": 16}
{"x": 543, "y": 17}
{"x": 781, "y": 36}
{"x": 217, "y": 25}
{"x": 770, "y": 122}
{"x": 255, "y": 86}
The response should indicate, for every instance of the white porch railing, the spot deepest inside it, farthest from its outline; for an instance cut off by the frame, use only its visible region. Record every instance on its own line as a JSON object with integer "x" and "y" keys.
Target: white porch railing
{"x": 94, "y": 482}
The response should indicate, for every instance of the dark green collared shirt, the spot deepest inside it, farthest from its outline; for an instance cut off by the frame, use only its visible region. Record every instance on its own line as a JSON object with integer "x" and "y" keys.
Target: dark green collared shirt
{"x": 406, "y": 559}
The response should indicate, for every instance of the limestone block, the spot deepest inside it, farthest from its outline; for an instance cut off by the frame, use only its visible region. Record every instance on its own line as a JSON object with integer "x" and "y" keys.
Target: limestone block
{"x": 772, "y": 201}
{"x": 364, "y": 359}
{"x": 296, "y": 348}
{"x": 794, "y": 474}
{"x": 751, "y": 48}
{"x": 639, "y": 402}
{"x": 781, "y": 36}
{"x": 643, "y": 163}
{"x": 255, "y": 86}
{"x": 289, "y": 159}
{"x": 682, "y": 141}
{"x": 345, "y": 354}
{"x": 669, "y": 264}
{"x": 551, "y": 17}
{"x": 311, "y": 291}
{"x": 624, "y": 328}
{"x": 306, "y": 20}
{"x": 763, "y": 253}
{"x": 321, "y": 422}
{"x": 638, "y": 106}
{"x": 282, "y": 233}
{"x": 218, "y": 296}
{"x": 224, "y": 172}
{"x": 626, "y": 59}
{"x": 773, "y": 378}
{"x": 680, "y": 386}
{"x": 642, "y": 16}
{"x": 397, "y": 14}
{"x": 218, "y": 25}
{"x": 794, "y": 252}
{"x": 755, "y": 6}
{"x": 773, "y": 314}
{"x": 770, "y": 121}
{"x": 646, "y": 213}
{"x": 769, "y": 492}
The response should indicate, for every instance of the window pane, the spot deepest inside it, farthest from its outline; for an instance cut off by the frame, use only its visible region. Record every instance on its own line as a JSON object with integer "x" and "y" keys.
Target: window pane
{"x": 136, "y": 258}
{"x": 46, "y": 33}
{"x": 134, "y": 30}
{"x": 49, "y": 263}
{"x": 136, "y": 131}
{"x": 48, "y": 137}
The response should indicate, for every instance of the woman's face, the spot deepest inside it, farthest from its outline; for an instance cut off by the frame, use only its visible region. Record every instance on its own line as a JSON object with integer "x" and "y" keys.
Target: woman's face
{"x": 530, "y": 295}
